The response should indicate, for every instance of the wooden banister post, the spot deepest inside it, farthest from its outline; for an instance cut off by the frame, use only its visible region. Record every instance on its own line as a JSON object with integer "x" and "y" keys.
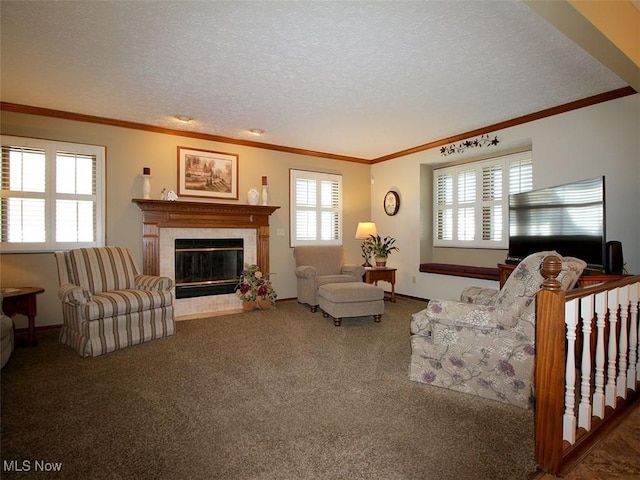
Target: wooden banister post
{"x": 549, "y": 367}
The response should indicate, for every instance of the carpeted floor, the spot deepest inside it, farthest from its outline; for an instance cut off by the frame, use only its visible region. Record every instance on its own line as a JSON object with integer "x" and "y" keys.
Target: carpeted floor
{"x": 280, "y": 394}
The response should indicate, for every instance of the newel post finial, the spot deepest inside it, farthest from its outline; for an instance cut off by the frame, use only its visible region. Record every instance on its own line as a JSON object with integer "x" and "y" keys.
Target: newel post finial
{"x": 550, "y": 269}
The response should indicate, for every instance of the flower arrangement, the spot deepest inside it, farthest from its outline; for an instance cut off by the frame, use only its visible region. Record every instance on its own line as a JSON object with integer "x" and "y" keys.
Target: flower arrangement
{"x": 255, "y": 289}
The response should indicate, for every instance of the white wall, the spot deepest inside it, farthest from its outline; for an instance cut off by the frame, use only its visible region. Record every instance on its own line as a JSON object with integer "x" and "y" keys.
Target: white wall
{"x": 602, "y": 139}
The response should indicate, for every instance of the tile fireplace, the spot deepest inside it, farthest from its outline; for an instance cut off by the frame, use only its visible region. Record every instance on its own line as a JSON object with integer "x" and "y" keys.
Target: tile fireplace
{"x": 165, "y": 222}
{"x": 207, "y": 266}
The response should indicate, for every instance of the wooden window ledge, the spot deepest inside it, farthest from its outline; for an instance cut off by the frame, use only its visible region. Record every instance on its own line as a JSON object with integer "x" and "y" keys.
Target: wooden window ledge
{"x": 485, "y": 273}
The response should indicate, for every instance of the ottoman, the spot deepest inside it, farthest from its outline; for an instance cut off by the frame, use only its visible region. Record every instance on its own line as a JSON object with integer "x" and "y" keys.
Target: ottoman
{"x": 351, "y": 299}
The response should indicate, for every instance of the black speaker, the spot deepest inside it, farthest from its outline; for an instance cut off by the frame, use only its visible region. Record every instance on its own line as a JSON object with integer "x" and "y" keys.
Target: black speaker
{"x": 615, "y": 263}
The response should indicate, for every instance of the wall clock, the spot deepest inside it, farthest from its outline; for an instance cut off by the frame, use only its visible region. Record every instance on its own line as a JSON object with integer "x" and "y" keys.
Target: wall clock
{"x": 391, "y": 203}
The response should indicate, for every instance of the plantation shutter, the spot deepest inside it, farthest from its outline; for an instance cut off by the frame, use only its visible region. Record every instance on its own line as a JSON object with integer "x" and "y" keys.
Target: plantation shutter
{"x": 444, "y": 206}
{"x": 471, "y": 200}
{"x": 492, "y": 208}
{"x": 520, "y": 174}
{"x": 75, "y": 197}
{"x": 51, "y": 195}
{"x": 23, "y": 187}
{"x": 305, "y": 197}
{"x": 316, "y": 208}
{"x": 466, "y": 204}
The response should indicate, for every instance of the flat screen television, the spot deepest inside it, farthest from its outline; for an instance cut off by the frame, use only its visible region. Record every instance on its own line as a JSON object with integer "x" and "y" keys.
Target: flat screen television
{"x": 569, "y": 219}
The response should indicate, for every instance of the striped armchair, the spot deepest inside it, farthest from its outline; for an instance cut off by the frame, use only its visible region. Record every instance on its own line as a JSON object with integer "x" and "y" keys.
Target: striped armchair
{"x": 107, "y": 304}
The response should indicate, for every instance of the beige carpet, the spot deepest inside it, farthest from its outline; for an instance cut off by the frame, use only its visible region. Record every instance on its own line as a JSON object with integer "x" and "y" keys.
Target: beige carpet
{"x": 280, "y": 394}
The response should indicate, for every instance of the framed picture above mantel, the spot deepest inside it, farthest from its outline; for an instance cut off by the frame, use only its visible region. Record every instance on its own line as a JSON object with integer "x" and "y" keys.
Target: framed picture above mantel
{"x": 209, "y": 174}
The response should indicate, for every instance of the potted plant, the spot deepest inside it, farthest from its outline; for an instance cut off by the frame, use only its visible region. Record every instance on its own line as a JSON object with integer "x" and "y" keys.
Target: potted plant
{"x": 255, "y": 290}
{"x": 382, "y": 247}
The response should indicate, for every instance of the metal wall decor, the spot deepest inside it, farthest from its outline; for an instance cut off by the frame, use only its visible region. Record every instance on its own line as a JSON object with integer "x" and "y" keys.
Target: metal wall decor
{"x": 482, "y": 141}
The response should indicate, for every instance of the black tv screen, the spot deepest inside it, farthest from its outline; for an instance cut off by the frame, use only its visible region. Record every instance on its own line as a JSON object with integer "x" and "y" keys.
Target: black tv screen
{"x": 569, "y": 219}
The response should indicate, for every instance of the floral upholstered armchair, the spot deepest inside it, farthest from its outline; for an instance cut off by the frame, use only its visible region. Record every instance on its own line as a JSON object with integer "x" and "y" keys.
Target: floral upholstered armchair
{"x": 317, "y": 266}
{"x": 485, "y": 343}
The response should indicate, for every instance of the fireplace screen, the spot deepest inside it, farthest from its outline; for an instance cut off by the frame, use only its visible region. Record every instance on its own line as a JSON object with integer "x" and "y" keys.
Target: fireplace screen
{"x": 208, "y": 266}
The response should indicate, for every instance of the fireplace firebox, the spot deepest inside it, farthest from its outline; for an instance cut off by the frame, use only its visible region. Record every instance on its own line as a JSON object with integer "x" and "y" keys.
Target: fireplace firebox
{"x": 207, "y": 266}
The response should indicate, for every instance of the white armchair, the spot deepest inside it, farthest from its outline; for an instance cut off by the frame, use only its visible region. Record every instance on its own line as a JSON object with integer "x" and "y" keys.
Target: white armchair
{"x": 485, "y": 344}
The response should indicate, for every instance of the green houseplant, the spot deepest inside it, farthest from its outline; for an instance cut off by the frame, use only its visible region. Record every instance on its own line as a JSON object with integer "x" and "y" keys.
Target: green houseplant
{"x": 382, "y": 248}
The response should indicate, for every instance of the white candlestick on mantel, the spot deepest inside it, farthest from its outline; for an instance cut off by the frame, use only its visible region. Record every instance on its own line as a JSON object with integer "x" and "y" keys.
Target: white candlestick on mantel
{"x": 146, "y": 186}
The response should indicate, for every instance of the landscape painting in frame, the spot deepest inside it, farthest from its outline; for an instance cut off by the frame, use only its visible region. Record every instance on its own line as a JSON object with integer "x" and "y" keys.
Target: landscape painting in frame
{"x": 202, "y": 173}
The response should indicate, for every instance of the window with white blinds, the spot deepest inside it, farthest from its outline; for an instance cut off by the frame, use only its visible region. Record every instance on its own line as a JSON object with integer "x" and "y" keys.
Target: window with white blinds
{"x": 51, "y": 195}
{"x": 316, "y": 208}
{"x": 471, "y": 201}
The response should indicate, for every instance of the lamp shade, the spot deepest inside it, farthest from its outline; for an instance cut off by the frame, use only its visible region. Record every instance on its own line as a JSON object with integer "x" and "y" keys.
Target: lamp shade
{"x": 365, "y": 229}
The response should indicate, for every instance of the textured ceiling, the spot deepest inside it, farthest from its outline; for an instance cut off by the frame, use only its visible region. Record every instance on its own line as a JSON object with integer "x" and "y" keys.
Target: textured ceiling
{"x": 362, "y": 79}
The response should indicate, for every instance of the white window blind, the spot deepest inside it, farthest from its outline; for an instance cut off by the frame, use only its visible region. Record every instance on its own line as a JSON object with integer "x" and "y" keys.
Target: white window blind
{"x": 471, "y": 200}
{"x": 51, "y": 195}
{"x": 316, "y": 208}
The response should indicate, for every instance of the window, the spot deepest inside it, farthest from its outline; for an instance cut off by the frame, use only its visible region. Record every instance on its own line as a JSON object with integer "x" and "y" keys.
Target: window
{"x": 471, "y": 201}
{"x": 316, "y": 208}
{"x": 51, "y": 195}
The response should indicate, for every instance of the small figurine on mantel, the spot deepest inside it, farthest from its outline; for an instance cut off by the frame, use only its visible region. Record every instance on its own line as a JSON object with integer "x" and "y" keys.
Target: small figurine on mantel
{"x": 168, "y": 195}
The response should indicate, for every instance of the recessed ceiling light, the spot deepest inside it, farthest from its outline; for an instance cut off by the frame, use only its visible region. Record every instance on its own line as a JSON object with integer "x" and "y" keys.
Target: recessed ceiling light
{"x": 183, "y": 118}
{"x": 256, "y": 131}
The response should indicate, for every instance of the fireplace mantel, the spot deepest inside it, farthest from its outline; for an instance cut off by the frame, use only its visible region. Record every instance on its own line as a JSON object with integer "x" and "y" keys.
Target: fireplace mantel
{"x": 157, "y": 214}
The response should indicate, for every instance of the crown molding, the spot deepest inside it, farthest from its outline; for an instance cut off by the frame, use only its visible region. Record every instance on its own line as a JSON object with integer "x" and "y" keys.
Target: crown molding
{"x": 549, "y": 112}
{"x": 80, "y": 117}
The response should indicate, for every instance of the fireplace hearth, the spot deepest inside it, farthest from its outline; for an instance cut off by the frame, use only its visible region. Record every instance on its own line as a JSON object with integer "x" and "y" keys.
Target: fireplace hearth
{"x": 207, "y": 266}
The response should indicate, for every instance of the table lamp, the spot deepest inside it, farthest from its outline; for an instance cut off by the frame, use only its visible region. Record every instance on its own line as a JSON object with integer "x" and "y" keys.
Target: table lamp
{"x": 363, "y": 232}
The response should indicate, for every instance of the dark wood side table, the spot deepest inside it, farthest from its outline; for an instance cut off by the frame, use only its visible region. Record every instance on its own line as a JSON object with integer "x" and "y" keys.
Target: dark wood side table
{"x": 22, "y": 300}
{"x": 385, "y": 274}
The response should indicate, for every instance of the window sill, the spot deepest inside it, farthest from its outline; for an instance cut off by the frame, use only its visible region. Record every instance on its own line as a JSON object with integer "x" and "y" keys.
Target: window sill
{"x": 484, "y": 273}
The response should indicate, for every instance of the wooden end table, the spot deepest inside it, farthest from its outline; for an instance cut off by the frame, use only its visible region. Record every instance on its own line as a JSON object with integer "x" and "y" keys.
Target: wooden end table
{"x": 22, "y": 300}
{"x": 384, "y": 274}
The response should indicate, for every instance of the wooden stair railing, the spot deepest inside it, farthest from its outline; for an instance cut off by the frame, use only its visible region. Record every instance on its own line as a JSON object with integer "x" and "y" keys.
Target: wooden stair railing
{"x": 587, "y": 370}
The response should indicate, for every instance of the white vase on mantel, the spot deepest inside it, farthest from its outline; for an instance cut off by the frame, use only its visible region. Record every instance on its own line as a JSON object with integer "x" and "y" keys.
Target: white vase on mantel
{"x": 253, "y": 196}
{"x": 146, "y": 186}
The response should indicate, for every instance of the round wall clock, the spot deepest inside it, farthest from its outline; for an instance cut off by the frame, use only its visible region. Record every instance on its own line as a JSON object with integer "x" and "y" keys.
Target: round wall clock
{"x": 391, "y": 203}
